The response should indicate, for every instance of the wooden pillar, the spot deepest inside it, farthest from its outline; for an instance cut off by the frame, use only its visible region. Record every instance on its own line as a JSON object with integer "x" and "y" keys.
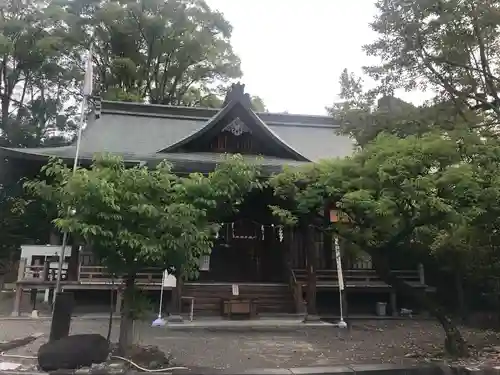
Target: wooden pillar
{"x": 175, "y": 307}
{"x": 394, "y": 305}
{"x": 45, "y": 272}
{"x": 180, "y": 287}
{"x": 16, "y": 309}
{"x": 421, "y": 273}
{"x": 328, "y": 250}
{"x": 312, "y": 260}
{"x": 328, "y": 243}
{"x": 286, "y": 254}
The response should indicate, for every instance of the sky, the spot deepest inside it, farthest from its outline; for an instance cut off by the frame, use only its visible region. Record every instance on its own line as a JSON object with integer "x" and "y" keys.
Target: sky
{"x": 293, "y": 51}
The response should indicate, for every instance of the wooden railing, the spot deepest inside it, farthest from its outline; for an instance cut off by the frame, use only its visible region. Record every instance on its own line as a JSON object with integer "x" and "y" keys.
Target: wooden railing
{"x": 359, "y": 277}
{"x": 100, "y": 275}
{"x": 86, "y": 274}
{"x": 40, "y": 273}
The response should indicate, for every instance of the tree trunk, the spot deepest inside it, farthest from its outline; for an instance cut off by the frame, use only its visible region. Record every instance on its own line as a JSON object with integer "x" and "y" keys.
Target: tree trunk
{"x": 455, "y": 344}
{"x": 312, "y": 261}
{"x": 74, "y": 262}
{"x": 459, "y": 286}
{"x": 125, "y": 340}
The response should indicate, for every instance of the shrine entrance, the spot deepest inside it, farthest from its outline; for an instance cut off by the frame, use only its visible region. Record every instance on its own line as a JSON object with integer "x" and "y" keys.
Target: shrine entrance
{"x": 246, "y": 251}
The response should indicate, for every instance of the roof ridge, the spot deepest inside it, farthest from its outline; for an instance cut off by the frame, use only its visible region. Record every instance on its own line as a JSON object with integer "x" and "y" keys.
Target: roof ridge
{"x": 110, "y": 106}
{"x": 219, "y": 115}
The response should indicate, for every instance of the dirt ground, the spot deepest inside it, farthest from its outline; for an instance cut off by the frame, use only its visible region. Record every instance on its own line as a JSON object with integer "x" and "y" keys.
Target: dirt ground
{"x": 366, "y": 342}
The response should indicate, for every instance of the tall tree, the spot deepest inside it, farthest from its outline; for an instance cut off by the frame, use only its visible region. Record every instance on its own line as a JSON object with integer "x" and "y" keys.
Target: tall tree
{"x": 363, "y": 114}
{"x": 155, "y": 51}
{"x": 449, "y": 46}
{"x": 398, "y": 194}
{"x": 36, "y": 80}
{"x": 135, "y": 218}
{"x": 167, "y": 52}
{"x": 12, "y": 224}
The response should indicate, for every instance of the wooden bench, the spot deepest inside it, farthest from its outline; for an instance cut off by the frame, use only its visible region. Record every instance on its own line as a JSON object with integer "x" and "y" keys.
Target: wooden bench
{"x": 239, "y": 307}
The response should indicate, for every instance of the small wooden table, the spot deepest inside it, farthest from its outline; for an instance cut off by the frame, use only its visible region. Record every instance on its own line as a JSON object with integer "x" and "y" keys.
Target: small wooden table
{"x": 239, "y": 307}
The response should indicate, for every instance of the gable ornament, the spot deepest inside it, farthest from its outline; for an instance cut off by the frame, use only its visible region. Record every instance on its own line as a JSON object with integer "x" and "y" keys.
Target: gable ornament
{"x": 237, "y": 127}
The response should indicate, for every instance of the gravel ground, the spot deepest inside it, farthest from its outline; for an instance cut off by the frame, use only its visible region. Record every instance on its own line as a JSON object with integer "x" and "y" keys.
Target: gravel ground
{"x": 365, "y": 342}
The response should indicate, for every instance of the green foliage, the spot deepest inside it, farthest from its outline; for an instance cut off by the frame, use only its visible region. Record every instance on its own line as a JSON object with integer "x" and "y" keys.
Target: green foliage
{"x": 12, "y": 210}
{"x": 469, "y": 245}
{"x": 392, "y": 187}
{"x": 168, "y": 52}
{"x": 175, "y": 52}
{"x": 141, "y": 305}
{"x": 420, "y": 196}
{"x": 35, "y": 80}
{"x": 136, "y": 217}
{"x": 450, "y": 47}
{"x": 363, "y": 117}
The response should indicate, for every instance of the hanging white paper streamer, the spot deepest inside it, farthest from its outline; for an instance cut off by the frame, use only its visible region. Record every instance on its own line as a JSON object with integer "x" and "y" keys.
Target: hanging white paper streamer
{"x": 205, "y": 263}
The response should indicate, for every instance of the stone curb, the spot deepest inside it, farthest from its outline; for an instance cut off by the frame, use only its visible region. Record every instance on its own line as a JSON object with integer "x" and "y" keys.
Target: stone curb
{"x": 47, "y": 317}
{"x": 367, "y": 369}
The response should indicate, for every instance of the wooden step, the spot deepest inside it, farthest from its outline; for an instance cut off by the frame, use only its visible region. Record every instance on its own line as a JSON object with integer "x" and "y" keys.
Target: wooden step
{"x": 270, "y": 298}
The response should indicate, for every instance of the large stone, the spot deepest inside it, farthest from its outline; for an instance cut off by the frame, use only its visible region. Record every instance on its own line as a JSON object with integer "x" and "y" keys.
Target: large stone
{"x": 73, "y": 352}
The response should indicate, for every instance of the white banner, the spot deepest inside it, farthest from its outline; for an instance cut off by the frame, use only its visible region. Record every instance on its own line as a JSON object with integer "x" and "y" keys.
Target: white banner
{"x": 338, "y": 260}
{"x": 87, "y": 82}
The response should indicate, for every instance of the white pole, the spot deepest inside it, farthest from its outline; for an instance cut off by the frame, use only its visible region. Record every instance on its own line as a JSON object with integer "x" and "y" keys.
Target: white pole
{"x": 75, "y": 166}
{"x": 160, "y": 308}
{"x": 338, "y": 260}
{"x": 87, "y": 91}
{"x": 159, "y": 322}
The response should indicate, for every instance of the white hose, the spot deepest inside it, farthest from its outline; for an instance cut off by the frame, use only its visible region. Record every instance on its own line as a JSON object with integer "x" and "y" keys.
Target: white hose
{"x": 2, "y": 354}
{"x": 148, "y": 370}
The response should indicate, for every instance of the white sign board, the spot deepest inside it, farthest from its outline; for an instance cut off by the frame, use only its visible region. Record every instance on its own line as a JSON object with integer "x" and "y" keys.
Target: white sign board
{"x": 236, "y": 290}
{"x": 169, "y": 281}
{"x": 205, "y": 263}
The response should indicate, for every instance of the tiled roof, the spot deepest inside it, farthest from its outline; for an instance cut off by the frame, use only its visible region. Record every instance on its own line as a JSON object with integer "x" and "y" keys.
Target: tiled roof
{"x": 187, "y": 162}
{"x": 139, "y": 131}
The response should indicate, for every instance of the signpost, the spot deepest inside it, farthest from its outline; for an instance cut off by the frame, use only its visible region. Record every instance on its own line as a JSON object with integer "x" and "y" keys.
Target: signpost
{"x": 336, "y": 217}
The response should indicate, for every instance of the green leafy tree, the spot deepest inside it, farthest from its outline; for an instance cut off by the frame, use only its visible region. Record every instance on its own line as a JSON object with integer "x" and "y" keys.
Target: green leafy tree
{"x": 449, "y": 46}
{"x": 393, "y": 191}
{"x": 155, "y": 51}
{"x": 173, "y": 52}
{"x": 36, "y": 79}
{"x": 215, "y": 99}
{"x": 364, "y": 114}
{"x": 12, "y": 226}
{"x": 135, "y": 217}
{"x": 469, "y": 246}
